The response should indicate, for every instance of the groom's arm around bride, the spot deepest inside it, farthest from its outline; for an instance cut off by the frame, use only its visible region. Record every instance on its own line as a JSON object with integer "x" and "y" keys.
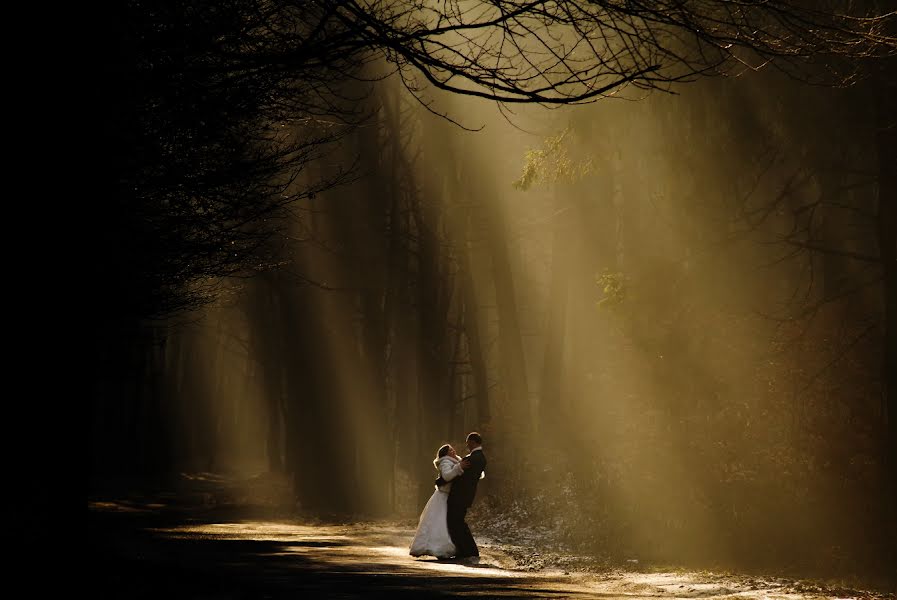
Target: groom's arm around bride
{"x": 472, "y": 465}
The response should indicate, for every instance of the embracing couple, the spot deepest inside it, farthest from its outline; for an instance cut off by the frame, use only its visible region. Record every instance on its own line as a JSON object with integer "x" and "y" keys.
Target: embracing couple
{"x": 441, "y": 531}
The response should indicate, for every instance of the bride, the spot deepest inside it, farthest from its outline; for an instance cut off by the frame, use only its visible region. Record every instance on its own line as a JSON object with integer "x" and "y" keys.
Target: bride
{"x": 432, "y": 536}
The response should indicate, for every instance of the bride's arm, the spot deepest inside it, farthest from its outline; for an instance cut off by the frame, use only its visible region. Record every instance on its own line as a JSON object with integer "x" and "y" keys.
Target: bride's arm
{"x": 450, "y": 469}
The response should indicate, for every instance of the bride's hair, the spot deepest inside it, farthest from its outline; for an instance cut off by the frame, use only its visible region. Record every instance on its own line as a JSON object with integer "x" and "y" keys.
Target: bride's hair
{"x": 443, "y": 450}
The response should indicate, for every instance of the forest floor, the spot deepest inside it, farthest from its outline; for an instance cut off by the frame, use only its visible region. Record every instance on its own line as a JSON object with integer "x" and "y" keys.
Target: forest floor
{"x": 200, "y": 542}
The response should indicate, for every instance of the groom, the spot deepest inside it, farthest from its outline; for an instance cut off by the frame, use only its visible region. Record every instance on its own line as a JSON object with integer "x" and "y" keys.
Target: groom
{"x": 464, "y": 488}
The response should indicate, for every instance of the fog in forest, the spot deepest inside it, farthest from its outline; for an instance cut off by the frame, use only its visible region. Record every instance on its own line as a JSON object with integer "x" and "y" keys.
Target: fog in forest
{"x": 664, "y": 312}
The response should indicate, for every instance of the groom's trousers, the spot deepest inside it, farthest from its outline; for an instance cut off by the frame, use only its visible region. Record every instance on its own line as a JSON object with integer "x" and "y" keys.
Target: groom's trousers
{"x": 459, "y": 532}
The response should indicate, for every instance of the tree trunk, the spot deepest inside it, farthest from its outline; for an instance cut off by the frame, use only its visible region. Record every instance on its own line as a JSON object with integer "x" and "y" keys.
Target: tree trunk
{"x": 887, "y": 245}
{"x": 513, "y": 360}
{"x": 432, "y": 355}
{"x": 472, "y": 328}
{"x": 552, "y": 366}
{"x": 367, "y": 242}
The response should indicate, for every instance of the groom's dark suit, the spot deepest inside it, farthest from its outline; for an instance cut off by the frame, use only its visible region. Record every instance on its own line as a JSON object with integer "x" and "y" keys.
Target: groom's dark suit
{"x": 464, "y": 488}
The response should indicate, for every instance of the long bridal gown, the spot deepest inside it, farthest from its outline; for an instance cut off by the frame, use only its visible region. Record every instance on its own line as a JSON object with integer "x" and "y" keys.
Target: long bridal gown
{"x": 432, "y": 536}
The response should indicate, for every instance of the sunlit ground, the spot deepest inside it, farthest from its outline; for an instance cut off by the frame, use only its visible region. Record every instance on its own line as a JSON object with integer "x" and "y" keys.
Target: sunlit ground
{"x": 357, "y": 546}
{"x": 307, "y": 552}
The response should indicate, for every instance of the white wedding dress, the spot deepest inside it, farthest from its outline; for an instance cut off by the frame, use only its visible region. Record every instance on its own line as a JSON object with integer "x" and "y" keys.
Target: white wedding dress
{"x": 432, "y": 536}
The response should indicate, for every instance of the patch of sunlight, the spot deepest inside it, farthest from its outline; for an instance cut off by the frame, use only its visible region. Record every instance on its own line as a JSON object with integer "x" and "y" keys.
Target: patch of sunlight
{"x": 256, "y": 530}
{"x": 123, "y": 507}
{"x": 686, "y": 585}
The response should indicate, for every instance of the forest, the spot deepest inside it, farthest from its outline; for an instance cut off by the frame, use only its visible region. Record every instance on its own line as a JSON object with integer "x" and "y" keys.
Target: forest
{"x": 648, "y": 250}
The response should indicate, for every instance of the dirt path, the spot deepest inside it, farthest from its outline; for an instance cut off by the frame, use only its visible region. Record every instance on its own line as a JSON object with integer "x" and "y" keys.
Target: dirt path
{"x": 145, "y": 551}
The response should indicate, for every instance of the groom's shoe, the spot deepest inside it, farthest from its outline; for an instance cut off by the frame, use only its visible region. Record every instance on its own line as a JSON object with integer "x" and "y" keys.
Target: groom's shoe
{"x": 469, "y": 560}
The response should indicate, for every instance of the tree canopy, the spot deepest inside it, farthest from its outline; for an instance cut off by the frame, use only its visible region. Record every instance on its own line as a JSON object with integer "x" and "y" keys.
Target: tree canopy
{"x": 217, "y": 110}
